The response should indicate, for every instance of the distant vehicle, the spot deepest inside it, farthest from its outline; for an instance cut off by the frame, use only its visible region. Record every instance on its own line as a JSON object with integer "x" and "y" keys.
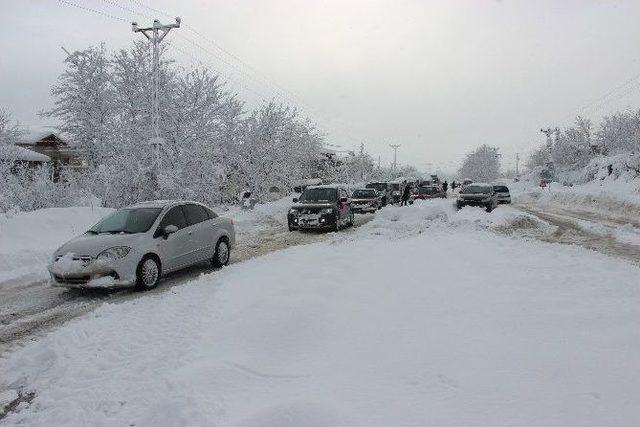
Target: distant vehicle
{"x": 503, "y": 194}
{"x": 321, "y": 207}
{"x": 365, "y": 200}
{"x": 478, "y": 194}
{"x": 396, "y": 192}
{"x": 466, "y": 182}
{"x": 136, "y": 245}
{"x": 384, "y": 189}
{"x": 425, "y": 193}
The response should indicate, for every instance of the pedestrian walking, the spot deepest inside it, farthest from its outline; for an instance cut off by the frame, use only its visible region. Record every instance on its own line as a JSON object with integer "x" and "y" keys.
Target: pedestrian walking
{"x": 445, "y": 186}
{"x": 405, "y": 194}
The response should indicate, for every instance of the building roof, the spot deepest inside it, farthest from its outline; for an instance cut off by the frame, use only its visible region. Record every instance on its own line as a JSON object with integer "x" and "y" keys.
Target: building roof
{"x": 15, "y": 153}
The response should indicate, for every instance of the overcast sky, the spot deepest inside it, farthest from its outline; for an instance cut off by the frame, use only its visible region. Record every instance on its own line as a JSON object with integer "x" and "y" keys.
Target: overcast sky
{"x": 438, "y": 77}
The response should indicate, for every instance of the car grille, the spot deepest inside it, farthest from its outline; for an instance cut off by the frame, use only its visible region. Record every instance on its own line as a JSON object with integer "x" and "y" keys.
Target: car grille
{"x": 77, "y": 280}
{"x": 305, "y": 211}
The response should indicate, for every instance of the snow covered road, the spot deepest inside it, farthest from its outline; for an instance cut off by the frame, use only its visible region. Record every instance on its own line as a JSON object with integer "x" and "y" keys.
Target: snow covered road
{"x": 419, "y": 317}
{"x": 29, "y": 306}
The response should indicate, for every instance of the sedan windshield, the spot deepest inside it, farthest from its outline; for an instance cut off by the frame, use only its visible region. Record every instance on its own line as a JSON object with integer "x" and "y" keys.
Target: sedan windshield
{"x": 136, "y": 220}
{"x": 500, "y": 189}
{"x": 476, "y": 189}
{"x": 380, "y": 186}
{"x": 319, "y": 195}
{"x": 364, "y": 194}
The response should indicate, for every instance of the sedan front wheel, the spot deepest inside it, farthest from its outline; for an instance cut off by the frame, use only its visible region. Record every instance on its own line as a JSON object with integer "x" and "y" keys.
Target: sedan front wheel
{"x": 148, "y": 273}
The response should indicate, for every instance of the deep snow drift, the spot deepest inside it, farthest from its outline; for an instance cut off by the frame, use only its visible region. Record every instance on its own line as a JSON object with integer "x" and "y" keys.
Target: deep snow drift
{"x": 420, "y": 317}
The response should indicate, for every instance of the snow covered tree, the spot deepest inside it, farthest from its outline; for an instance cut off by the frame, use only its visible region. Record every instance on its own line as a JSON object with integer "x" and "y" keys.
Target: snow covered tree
{"x": 482, "y": 164}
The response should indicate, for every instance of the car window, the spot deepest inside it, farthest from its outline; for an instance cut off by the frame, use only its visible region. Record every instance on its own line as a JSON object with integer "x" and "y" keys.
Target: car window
{"x": 175, "y": 216}
{"x": 211, "y": 213}
{"x": 195, "y": 214}
{"x": 500, "y": 188}
{"x": 127, "y": 220}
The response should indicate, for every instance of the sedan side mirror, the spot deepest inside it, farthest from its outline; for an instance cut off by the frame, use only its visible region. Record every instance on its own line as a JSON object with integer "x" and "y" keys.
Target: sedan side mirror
{"x": 295, "y": 200}
{"x": 169, "y": 229}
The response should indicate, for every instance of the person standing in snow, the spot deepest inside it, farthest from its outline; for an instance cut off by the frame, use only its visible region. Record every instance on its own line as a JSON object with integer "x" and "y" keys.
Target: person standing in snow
{"x": 453, "y": 186}
{"x": 405, "y": 194}
{"x": 445, "y": 186}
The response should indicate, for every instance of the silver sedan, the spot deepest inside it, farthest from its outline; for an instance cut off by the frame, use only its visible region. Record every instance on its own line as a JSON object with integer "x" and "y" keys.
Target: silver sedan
{"x": 136, "y": 245}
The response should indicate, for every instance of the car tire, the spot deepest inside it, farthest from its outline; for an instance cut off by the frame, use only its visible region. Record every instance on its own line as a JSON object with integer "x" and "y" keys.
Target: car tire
{"x": 222, "y": 254}
{"x": 489, "y": 208}
{"x": 351, "y": 219}
{"x": 148, "y": 273}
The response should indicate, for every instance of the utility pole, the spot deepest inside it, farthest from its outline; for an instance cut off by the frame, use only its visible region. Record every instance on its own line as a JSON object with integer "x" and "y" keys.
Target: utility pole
{"x": 362, "y": 161}
{"x": 156, "y": 33}
{"x": 395, "y": 156}
{"x": 517, "y": 164}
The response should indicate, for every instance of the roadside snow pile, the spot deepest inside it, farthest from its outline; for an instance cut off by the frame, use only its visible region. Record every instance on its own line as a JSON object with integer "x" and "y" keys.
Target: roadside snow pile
{"x": 451, "y": 327}
{"x": 262, "y": 216}
{"x": 27, "y": 239}
{"x": 397, "y": 222}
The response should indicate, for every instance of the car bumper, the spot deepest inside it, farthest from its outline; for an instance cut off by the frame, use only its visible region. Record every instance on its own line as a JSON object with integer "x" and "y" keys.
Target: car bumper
{"x": 363, "y": 208}
{"x": 461, "y": 203}
{"x": 96, "y": 274}
{"x": 504, "y": 199}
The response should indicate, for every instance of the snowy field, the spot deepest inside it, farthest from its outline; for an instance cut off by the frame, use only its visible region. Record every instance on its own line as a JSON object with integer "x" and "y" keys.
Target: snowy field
{"x": 419, "y": 317}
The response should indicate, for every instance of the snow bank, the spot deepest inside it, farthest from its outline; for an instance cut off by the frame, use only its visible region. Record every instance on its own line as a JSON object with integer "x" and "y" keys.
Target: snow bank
{"x": 454, "y": 326}
{"x": 28, "y": 239}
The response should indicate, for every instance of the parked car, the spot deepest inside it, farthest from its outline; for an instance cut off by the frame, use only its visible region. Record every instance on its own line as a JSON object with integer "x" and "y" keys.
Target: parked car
{"x": 384, "y": 189}
{"x": 503, "y": 193}
{"x": 137, "y": 245}
{"x": 321, "y": 207}
{"x": 430, "y": 192}
{"x": 365, "y": 200}
{"x": 478, "y": 194}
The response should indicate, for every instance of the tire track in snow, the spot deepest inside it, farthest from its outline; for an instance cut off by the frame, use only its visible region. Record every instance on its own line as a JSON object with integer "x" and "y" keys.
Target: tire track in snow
{"x": 28, "y": 311}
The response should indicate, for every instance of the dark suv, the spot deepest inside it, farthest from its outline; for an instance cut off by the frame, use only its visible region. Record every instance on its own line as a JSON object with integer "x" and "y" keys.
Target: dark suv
{"x": 478, "y": 194}
{"x": 321, "y": 207}
{"x": 384, "y": 189}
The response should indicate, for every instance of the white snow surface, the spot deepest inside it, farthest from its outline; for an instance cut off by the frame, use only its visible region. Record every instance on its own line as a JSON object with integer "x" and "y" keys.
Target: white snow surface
{"x": 28, "y": 239}
{"x": 421, "y": 317}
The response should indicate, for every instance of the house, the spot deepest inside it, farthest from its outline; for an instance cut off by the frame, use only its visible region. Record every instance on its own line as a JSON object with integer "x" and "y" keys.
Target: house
{"x": 60, "y": 153}
{"x": 19, "y": 156}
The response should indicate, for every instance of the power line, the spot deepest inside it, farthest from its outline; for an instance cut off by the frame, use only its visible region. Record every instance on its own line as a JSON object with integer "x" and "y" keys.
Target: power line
{"x": 88, "y": 9}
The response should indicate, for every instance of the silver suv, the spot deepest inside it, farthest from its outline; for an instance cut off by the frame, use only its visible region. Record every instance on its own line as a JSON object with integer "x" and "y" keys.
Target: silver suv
{"x": 478, "y": 194}
{"x": 136, "y": 245}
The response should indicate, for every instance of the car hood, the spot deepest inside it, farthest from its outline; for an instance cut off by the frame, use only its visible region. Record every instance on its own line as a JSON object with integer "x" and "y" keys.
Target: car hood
{"x": 93, "y": 244}
{"x": 312, "y": 205}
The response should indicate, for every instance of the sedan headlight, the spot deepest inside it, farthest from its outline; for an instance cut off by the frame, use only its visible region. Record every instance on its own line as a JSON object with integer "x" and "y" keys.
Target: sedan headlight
{"x": 326, "y": 211}
{"x": 114, "y": 253}
{"x": 293, "y": 211}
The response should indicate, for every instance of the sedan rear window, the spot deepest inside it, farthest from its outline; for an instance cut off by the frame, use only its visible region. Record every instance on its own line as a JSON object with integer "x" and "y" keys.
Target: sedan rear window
{"x": 476, "y": 189}
{"x": 195, "y": 214}
{"x": 500, "y": 189}
{"x": 128, "y": 220}
{"x": 364, "y": 194}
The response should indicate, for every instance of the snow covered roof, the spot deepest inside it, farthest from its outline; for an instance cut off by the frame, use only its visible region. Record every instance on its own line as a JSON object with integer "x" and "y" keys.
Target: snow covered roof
{"x": 15, "y": 153}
